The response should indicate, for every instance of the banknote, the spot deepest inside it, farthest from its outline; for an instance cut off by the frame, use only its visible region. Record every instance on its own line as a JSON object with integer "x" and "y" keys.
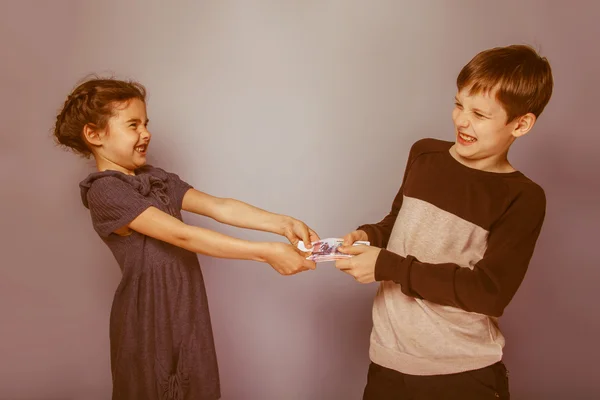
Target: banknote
{"x": 327, "y": 249}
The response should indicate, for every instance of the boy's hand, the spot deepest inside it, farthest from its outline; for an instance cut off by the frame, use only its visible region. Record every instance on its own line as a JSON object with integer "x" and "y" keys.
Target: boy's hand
{"x": 355, "y": 236}
{"x": 362, "y": 265}
{"x": 295, "y": 230}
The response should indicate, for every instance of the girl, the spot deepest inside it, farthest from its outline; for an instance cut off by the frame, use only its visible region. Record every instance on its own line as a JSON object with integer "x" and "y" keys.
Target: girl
{"x": 160, "y": 329}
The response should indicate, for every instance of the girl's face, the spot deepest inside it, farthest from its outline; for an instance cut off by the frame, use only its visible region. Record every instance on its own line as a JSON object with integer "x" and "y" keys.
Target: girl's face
{"x": 122, "y": 146}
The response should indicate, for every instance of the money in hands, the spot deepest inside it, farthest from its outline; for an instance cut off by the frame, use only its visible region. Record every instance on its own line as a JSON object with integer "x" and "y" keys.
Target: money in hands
{"x": 327, "y": 249}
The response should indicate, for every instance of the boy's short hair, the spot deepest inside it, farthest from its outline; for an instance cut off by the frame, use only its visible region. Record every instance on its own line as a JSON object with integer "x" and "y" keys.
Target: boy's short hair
{"x": 522, "y": 77}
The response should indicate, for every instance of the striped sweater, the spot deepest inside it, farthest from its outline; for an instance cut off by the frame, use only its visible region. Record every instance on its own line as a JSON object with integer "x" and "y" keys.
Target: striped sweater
{"x": 455, "y": 248}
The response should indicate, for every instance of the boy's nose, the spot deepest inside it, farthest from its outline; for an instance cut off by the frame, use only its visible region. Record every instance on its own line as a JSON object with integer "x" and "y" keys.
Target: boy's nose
{"x": 462, "y": 122}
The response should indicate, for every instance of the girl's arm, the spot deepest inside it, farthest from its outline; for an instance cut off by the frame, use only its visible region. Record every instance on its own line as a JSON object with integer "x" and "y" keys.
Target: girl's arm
{"x": 242, "y": 215}
{"x": 284, "y": 258}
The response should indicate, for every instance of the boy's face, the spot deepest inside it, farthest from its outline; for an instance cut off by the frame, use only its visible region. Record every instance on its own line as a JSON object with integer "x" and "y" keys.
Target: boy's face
{"x": 482, "y": 134}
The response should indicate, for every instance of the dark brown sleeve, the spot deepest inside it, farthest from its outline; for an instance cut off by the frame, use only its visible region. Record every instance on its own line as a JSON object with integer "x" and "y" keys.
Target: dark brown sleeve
{"x": 379, "y": 233}
{"x": 490, "y": 286}
{"x": 113, "y": 204}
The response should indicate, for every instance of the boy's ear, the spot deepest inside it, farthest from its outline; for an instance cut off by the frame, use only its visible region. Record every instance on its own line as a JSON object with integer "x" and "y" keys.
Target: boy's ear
{"x": 524, "y": 124}
{"x": 92, "y": 135}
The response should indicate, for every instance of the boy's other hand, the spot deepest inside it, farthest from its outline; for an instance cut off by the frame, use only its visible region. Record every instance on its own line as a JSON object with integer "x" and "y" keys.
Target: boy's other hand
{"x": 362, "y": 265}
{"x": 355, "y": 236}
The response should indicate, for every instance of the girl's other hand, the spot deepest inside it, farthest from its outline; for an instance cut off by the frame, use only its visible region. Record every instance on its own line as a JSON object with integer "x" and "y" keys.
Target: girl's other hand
{"x": 287, "y": 259}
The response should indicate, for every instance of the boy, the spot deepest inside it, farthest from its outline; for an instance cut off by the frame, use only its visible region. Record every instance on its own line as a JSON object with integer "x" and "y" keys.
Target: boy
{"x": 456, "y": 245}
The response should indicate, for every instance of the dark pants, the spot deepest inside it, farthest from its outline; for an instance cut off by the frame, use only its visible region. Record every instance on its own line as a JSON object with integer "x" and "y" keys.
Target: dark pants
{"x": 486, "y": 383}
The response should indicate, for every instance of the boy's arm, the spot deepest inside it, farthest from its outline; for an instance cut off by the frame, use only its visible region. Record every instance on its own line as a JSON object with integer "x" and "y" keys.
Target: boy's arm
{"x": 491, "y": 284}
{"x": 379, "y": 233}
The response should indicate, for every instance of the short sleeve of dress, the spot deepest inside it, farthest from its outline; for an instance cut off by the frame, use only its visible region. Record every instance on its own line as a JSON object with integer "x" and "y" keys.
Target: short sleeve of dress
{"x": 178, "y": 187}
{"x": 114, "y": 203}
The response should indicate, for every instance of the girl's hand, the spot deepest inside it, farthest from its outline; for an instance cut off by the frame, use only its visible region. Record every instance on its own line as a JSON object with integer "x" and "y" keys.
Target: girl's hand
{"x": 287, "y": 260}
{"x": 295, "y": 230}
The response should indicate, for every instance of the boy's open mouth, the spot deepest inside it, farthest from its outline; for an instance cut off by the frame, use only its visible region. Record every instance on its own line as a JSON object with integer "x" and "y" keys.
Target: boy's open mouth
{"x": 467, "y": 138}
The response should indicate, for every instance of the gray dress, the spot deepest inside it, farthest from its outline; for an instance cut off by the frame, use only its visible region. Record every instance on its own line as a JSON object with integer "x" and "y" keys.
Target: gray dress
{"x": 161, "y": 338}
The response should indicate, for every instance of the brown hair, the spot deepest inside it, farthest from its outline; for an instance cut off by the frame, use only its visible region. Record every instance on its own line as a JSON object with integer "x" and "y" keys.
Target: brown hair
{"x": 92, "y": 102}
{"x": 523, "y": 78}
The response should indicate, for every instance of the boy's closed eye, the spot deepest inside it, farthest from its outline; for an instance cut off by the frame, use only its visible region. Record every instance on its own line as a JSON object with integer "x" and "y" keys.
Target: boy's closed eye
{"x": 477, "y": 113}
